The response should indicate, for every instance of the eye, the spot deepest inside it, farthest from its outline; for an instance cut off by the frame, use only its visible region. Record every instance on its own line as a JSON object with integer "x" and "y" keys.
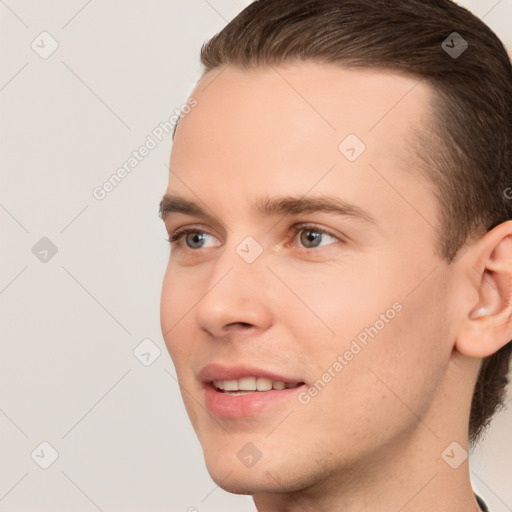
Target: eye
{"x": 194, "y": 238}
{"x": 311, "y": 236}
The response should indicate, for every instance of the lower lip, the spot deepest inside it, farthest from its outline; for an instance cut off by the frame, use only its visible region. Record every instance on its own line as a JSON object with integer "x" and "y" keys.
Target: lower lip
{"x": 226, "y": 405}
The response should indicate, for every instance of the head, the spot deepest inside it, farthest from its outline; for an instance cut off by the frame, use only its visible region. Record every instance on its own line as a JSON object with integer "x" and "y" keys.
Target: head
{"x": 397, "y": 294}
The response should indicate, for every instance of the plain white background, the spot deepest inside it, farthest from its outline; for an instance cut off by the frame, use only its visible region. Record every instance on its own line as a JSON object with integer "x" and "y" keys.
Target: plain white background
{"x": 71, "y": 323}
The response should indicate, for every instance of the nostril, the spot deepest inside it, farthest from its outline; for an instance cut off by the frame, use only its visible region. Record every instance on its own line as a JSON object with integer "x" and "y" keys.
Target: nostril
{"x": 236, "y": 328}
{"x": 242, "y": 324}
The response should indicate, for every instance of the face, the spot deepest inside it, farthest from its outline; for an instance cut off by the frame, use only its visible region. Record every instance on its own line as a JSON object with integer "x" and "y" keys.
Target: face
{"x": 310, "y": 261}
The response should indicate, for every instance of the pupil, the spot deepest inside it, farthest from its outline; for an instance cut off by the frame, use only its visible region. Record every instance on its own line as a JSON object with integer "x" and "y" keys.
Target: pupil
{"x": 310, "y": 238}
{"x": 193, "y": 238}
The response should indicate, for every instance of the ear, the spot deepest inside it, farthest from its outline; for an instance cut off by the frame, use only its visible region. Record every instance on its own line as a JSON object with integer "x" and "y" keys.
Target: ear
{"x": 487, "y": 326}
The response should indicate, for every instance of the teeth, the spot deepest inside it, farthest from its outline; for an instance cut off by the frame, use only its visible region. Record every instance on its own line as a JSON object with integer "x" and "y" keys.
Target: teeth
{"x": 251, "y": 384}
{"x": 263, "y": 384}
{"x": 247, "y": 383}
{"x": 231, "y": 385}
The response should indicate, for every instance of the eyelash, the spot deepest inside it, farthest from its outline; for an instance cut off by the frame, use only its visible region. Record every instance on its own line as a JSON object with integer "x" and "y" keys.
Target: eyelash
{"x": 181, "y": 232}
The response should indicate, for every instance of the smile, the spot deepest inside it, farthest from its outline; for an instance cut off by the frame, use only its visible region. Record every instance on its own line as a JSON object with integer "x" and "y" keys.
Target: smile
{"x": 250, "y": 384}
{"x": 238, "y": 404}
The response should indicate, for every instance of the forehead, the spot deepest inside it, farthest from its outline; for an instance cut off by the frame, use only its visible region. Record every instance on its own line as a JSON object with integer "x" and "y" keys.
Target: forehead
{"x": 294, "y": 105}
{"x": 294, "y": 128}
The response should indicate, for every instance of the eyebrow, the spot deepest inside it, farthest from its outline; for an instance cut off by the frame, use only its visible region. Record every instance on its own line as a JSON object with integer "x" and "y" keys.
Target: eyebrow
{"x": 273, "y": 206}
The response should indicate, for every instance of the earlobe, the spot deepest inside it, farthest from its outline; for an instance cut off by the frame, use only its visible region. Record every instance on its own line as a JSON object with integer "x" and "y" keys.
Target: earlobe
{"x": 488, "y": 325}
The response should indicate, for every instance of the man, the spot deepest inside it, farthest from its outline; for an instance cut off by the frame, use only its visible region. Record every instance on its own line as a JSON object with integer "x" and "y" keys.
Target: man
{"x": 337, "y": 301}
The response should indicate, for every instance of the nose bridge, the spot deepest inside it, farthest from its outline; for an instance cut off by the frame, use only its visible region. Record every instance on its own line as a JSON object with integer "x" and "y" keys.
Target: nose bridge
{"x": 242, "y": 256}
{"x": 242, "y": 266}
{"x": 237, "y": 288}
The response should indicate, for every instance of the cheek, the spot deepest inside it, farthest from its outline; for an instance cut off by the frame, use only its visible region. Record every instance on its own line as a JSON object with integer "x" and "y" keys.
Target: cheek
{"x": 176, "y": 300}
{"x": 173, "y": 312}
{"x": 387, "y": 337}
{"x": 379, "y": 388}
{"x": 401, "y": 364}
{"x": 166, "y": 305}
{"x": 344, "y": 299}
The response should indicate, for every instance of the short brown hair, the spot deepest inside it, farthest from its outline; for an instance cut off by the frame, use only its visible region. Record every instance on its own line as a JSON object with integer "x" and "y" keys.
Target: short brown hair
{"x": 466, "y": 150}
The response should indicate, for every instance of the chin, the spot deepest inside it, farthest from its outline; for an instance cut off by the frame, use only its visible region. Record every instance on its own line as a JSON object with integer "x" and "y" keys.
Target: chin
{"x": 230, "y": 473}
{"x": 268, "y": 475}
{"x": 235, "y": 484}
{"x": 248, "y": 482}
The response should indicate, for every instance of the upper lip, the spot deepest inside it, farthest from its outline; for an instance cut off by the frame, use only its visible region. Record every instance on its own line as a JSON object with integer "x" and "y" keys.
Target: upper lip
{"x": 215, "y": 371}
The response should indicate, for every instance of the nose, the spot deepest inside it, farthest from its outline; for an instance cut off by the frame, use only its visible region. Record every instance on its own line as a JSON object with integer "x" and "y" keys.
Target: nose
{"x": 236, "y": 299}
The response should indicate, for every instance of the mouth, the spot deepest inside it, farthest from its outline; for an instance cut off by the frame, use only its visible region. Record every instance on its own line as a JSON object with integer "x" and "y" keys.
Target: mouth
{"x": 251, "y": 384}
{"x": 242, "y": 391}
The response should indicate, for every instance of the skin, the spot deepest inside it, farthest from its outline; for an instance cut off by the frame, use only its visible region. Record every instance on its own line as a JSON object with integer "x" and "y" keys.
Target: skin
{"x": 372, "y": 439}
